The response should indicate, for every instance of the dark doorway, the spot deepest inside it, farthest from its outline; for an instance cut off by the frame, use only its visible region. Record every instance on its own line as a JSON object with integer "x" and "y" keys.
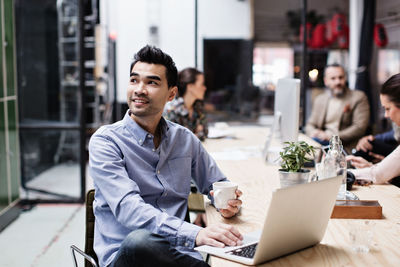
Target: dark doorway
{"x": 228, "y": 73}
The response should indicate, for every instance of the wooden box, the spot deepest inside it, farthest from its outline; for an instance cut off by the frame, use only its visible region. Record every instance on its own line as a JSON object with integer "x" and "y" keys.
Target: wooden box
{"x": 357, "y": 209}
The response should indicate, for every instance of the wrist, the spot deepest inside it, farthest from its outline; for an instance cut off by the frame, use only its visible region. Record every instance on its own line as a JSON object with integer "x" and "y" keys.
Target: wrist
{"x": 222, "y": 214}
{"x": 228, "y": 214}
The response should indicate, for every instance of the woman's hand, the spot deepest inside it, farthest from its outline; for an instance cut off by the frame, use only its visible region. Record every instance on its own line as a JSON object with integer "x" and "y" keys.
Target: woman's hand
{"x": 377, "y": 157}
{"x": 358, "y": 162}
{"x": 233, "y": 205}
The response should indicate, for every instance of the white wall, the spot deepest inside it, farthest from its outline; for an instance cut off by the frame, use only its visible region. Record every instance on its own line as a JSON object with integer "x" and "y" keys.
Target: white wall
{"x": 130, "y": 19}
{"x": 223, "y": 19}
{"x": 127, "y": 19}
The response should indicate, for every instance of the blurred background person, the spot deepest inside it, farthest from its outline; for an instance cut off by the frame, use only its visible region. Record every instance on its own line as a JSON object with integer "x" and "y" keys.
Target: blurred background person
{"x": 338, "y": 111}
{"x": 188, "y": 108}
{"x": 389, "y": 168}
{"x": 374, "y": 148}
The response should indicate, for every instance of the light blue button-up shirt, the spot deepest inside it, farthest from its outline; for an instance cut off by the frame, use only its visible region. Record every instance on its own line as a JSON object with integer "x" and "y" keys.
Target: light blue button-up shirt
{"x": 141, "y": 187}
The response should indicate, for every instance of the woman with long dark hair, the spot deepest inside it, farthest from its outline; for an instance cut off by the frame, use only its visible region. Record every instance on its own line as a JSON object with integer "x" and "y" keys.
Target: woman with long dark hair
{"x": 188, "y": 108}
{"x": 389, "y": 167}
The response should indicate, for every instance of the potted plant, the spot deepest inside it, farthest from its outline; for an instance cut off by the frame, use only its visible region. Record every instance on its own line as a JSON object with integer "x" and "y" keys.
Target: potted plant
{"x": 293, "y": 157}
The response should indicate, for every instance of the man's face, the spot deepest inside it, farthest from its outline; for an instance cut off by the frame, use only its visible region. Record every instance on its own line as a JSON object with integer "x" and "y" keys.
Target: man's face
{"x": 148, "y": 90}
{"x": 335, "y": 79}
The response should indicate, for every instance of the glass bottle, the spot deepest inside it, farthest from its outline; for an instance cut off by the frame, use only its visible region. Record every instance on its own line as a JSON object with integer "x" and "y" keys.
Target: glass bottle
{"x": 335, "y": 164}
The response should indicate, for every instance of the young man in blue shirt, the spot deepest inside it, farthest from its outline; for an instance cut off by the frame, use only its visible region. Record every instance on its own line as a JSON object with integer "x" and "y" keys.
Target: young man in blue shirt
{"x": 142, "y": 167}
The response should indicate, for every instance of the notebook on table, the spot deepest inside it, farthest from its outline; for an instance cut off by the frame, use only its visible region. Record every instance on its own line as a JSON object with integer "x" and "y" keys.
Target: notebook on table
{"x": 297, "y": 218}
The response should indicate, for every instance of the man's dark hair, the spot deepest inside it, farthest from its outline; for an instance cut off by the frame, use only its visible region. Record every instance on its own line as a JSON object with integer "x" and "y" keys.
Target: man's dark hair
{"x": 185, "y": 77}
{"x": 153, "y": 55}
{"x": 334, "y": 65}
{"x": 391, "y": 88}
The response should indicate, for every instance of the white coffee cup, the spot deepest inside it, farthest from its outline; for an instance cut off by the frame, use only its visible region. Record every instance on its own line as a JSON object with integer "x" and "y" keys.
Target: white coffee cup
{"x": 224, "y": 191}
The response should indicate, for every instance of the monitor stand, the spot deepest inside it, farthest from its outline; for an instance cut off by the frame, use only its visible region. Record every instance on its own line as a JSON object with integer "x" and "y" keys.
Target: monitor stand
{"x": 271, "y": 152}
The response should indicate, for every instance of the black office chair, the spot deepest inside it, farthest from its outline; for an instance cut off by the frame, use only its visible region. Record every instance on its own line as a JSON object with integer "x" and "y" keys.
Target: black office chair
{"x": 89, "y": 254}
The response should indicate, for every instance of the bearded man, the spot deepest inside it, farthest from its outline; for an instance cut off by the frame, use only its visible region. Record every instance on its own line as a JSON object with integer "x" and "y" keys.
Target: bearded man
{"x": 338, "y": 111}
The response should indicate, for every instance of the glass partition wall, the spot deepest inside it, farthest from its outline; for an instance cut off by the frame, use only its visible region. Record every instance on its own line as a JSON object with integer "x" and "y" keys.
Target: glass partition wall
{"x": 51, "y": 96}
{"x": 9, "y": 147}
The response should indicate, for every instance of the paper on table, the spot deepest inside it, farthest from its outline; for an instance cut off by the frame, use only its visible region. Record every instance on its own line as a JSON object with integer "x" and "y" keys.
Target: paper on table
{"x": 219, "y": 130}
{"x": 214, "y": 133}
{"x": 237, "y": 153}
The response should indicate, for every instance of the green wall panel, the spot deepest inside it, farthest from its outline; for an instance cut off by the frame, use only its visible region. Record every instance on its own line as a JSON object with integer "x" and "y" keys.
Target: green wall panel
{"x": 9, "y": 40}
{"x": 3, "y": 160}
{"x": 13, "y": 147}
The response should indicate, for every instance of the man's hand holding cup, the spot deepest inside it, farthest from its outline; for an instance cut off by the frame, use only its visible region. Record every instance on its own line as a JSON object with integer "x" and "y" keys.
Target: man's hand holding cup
{"x": 226, "y": 196}
{"x": 226, "y": 200}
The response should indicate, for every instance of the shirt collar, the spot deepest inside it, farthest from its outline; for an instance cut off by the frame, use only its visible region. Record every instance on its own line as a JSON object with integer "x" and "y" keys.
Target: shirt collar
{"x": 138, "y": 132}
{"x": 164, "y": 127}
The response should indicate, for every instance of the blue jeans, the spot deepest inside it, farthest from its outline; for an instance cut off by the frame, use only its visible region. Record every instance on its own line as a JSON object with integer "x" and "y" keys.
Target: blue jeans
{"x": 142, "y": 248}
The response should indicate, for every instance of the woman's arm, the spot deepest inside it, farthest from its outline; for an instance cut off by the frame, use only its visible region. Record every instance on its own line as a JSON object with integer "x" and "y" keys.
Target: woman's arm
{"x": 382, "y": 172}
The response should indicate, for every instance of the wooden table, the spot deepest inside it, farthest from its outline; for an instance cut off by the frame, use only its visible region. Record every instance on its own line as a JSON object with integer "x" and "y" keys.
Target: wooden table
{"x": 240, "y": 160}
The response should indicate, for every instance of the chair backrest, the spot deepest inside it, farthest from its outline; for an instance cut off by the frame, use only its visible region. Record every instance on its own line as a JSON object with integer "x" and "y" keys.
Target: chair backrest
{"x": 89, "y": 236}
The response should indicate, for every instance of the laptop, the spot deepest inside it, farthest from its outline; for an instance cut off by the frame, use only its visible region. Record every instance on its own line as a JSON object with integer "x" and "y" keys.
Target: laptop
{"x": 297, "y": 218}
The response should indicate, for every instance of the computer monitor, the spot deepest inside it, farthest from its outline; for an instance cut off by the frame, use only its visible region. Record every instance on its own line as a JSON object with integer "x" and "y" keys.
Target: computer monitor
{"x": 285, "y": 127}
{"x": 286, "y": 111}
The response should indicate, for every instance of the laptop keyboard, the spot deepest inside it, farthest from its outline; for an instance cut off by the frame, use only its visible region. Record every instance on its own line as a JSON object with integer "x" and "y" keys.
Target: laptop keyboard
{"x": 247, "y": 251}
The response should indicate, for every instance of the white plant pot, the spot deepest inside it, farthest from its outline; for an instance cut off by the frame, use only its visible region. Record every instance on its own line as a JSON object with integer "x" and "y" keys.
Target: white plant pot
{"x": 293, "y": 178}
